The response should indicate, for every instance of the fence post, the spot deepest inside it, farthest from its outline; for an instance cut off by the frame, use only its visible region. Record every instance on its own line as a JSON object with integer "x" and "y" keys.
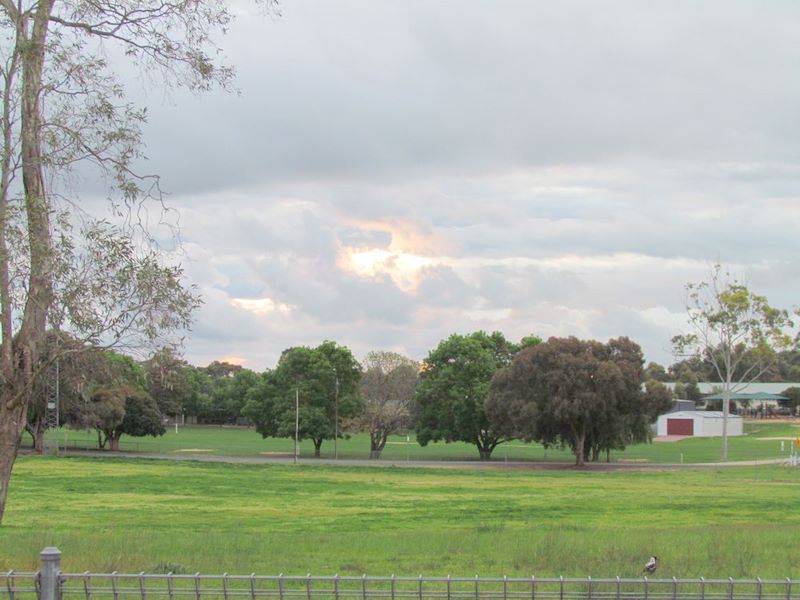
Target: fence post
{"x": 49, "y": 570}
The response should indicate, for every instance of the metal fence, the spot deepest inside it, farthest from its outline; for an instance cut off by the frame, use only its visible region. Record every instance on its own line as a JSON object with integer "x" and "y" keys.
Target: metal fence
{"x": 49, "y": 583}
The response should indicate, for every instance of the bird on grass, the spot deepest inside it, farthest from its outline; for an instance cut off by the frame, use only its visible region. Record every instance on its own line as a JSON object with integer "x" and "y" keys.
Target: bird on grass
{"x": 651, "y": 565}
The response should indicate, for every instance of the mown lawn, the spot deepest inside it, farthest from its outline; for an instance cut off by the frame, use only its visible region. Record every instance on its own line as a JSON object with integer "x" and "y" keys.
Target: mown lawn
{"x": 128, "y": 515}
{"x": 236, "y": 441}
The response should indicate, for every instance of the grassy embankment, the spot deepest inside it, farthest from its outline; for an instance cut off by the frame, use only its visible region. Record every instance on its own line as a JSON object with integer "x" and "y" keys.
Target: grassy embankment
{"x": 130, "y": 515}
{"x": 760, "y": 443}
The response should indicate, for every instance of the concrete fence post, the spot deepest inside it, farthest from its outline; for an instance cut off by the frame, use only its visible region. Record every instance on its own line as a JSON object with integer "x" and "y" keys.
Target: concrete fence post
{"x": 49, "y": 571}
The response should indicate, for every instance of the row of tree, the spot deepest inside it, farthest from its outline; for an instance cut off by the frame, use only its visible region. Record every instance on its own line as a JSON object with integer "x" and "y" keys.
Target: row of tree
{"x": 564, "y": 392}
{"x": 478, "y": 388}
{"x": 689, "y": 371}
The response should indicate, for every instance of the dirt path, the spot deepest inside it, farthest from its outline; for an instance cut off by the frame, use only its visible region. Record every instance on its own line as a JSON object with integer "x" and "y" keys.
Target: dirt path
{"x": 516, "y": 465}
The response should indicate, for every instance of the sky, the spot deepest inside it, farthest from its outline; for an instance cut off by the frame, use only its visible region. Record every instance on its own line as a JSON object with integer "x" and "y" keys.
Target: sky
{"x": 391, "y": 173}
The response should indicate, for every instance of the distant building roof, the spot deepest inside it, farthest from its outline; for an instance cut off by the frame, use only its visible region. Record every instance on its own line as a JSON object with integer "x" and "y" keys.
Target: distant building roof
{"x": 703, "y": 414}
{"x": 682, "y": 405}
{"x": 709, "y": 387}
{"x": 741, "y": 396}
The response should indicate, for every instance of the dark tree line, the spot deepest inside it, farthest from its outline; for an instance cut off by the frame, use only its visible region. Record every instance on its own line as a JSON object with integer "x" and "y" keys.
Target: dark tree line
{"x": 690, "y": 371}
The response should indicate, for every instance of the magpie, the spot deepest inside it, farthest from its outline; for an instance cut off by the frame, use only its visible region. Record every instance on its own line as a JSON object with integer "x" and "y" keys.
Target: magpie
{"x": 651, "y": 565}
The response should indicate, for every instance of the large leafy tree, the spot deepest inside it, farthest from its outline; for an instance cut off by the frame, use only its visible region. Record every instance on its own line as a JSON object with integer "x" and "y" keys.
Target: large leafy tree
{"x": 112, "y": 399}
{"x": 656, "y": 371}
{"x": 167, "y": 380}
{"x": 454, "y": 385}
{"x": 733, "y": 329}
{"x": 115, "y": 410}
{"x": 66, "y": 382}
{"x": 312, "y": 385}
{"x": 201, "y": 390}
{"x": 79, "y": 369}
{"x": 569, "y": 392}
{"x": 792, "y": 395}
{"x": 230, "y": 393}
{"x": 387, "y": 388}
{"x": 221, "y": 369}
{"x": 62, "y": 106}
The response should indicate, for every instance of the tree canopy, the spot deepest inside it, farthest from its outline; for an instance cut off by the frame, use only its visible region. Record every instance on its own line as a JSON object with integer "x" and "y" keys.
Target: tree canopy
{"x": 113, "y": 400}
{"x": 167, "y": 381}
{"x": 454, "y": 386}
{"x": 581, "y": 394}
{"x": 323, "y": 381}
{"x": 735, "y": 330}
{"x": 388, "y": 385}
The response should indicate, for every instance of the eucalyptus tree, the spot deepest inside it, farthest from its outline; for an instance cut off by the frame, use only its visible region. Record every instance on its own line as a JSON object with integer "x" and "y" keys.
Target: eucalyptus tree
{"x": 388, "y": 384}
{"x": 63, "y": 106}
{"x": 733, "y": 329}
{"x": 581, "y": 394}
{"x": 167, "y": 380}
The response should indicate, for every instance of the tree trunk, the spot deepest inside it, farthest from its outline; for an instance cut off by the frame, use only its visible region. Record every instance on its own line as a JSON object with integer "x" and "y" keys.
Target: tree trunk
{"x": 113, "y": 443}
{"x": 580, "y": 451}
{"x": 377, "y": 442}
{"x": 15, "y": 394}
{"x": 726, "y": 401}
{"x": 486, "y": 444}
{"x": 31, "y": 433}
{"x": 38, "y": 435}
{"x": 12, "y": 424}
{"x": 317, "y": 446}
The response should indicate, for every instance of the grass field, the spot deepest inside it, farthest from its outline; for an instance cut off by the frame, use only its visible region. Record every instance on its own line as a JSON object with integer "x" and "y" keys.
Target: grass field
{"x": 760, "y": 443}
{"x": 128, "y": 515}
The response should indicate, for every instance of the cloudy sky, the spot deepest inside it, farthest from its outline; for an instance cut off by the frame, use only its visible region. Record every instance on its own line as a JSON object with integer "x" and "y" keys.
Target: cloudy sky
{"x": 393, "y": 172}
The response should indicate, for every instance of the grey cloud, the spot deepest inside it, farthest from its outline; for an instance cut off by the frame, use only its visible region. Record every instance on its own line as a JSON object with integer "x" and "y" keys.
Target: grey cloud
{"x": 218, "y": 322}
{"x": 445, "y": 88}
{"x": 572, "y": 164}
{"x": 328, "y": 294}
{"x": 509, "y": 287}
{"x": 442, "y": 287}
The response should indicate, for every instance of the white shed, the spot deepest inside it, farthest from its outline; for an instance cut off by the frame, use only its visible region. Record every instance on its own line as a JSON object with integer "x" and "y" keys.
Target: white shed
{"x": 698, "y": 423}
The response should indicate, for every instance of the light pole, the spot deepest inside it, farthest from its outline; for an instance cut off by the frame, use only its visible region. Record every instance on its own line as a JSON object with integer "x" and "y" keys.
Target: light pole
{"x": 336, "y": 415}
{"x": 296, "y": 422}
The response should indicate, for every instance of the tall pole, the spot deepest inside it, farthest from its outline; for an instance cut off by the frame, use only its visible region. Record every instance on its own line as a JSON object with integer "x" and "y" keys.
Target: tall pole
{"x": 336, "y": 416}
{"x": 296, "y": 421}
{"x": 58, "y": 392}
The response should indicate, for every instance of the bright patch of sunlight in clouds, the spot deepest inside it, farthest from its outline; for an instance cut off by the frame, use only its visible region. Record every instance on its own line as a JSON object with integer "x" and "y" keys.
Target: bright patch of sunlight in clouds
{"x": 261, "y": 306}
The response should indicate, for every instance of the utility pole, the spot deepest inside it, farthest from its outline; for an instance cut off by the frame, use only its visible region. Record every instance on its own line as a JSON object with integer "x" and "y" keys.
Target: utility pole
{"x": 296, "y": 422}
{"x": 336, "y": 415}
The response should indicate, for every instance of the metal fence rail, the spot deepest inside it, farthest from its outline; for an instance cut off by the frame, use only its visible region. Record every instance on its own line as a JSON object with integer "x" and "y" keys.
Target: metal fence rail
{"x": 16, "y": 586}
{"x": 51, "y": 584}
{"x": 143, "y": 586}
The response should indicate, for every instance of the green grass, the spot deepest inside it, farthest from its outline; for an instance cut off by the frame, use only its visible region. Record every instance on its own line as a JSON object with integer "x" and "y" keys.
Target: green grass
{"x": 128, "y": 515}
{"x": 236, "y": 441}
